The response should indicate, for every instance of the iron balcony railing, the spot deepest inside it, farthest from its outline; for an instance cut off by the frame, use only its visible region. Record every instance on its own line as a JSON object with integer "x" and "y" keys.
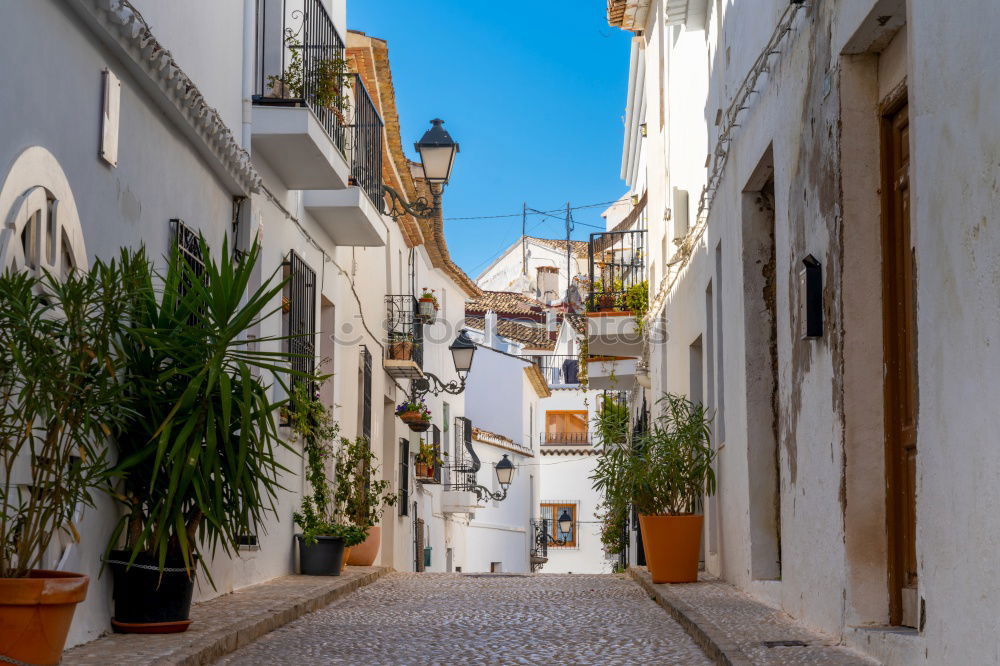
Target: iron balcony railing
{"x": 404, "y": 332}
{"x": 567, "y": 438}
{"x": 300, "y": 60}
{"x": 617, "y": 265}
{"x": 559, "y": 369}
{"x": 462, "y": 470}
{"x": 366, "y": 146}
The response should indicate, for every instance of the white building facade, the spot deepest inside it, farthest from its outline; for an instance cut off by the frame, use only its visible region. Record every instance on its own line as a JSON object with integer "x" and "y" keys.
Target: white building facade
{"x": 163, "y": 122}
{"x": 808, "y": 286}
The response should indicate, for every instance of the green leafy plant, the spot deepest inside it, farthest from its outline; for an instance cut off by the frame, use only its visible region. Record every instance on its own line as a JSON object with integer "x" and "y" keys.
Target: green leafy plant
{"x": 326, "y": 82}
{"x": 360, "y": 495}
{"x": 667, "y": 469}
{"x": 60, "y": 397}
{"x": 427, "y": 454}
{"x": 636, "y": 301}
{"x": 412, "y": 405}
{"x": 611, "y": 421}
{"x": 198, "y": 463}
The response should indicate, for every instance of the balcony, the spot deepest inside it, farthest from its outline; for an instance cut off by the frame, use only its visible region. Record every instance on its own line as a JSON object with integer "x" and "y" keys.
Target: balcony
{"x": 404, "y": 344}
{"x": 559, "y": 370}
{"x": 567, "y": 439}
{"x": 352, "y": 216}
{"x": 619, "y": 292}
{"x": 302, "y": 95}
{"x": 611, "y": 373}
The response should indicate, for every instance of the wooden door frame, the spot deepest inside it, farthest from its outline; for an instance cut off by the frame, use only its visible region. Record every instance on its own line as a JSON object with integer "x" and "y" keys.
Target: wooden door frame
{"x": 890, "y": 107}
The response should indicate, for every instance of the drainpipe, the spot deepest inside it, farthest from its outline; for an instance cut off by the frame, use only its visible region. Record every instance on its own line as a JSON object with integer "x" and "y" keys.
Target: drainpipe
{"x": 249, "y": 58}
{"x": 627, "y": 148}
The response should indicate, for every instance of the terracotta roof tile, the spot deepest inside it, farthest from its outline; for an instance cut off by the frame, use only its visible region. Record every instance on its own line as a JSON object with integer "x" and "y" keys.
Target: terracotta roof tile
{"x": 580, "y": 248}
{"x": 532, "y": 337}
{"x": 506, "y": 303}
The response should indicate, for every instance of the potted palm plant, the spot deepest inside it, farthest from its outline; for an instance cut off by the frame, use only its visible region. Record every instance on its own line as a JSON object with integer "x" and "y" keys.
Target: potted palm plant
{"x": 60, "y": 394}
{"x": 663, "y": 475}
{"x": 326, "y": 534}
{"x": 415, "y": 414}
{"x": 197, "y": 460}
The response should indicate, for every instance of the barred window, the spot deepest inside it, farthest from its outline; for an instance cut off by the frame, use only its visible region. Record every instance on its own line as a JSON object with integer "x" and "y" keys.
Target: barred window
{"x": 298, "y": 305}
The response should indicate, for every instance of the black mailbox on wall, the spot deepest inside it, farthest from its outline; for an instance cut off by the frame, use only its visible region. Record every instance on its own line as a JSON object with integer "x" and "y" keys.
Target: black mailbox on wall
{"x": 811, "y": 298}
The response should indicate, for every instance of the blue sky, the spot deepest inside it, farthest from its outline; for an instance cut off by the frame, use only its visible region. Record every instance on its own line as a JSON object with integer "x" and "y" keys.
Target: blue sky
{"x": 534, "y": 93}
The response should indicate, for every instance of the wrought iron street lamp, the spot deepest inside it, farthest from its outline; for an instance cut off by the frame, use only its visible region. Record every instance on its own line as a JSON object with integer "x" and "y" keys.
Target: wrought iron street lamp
{"x": 565, "y": 523}
{"x": 462, "y": 350}
{"x": 437, "y": 152}
{"x": 505, "y": 475}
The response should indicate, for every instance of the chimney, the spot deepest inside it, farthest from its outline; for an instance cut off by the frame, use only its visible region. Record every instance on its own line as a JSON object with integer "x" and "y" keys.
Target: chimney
{"x": 548, "y": 283}
{"x": 490, "y": 332}
{"x": 552, "y": 324}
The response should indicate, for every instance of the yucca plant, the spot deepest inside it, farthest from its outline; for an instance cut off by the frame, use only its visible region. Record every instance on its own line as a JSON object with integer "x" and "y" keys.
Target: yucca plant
{"x": 198, "y": 464}
{"x": 60, "y": 398}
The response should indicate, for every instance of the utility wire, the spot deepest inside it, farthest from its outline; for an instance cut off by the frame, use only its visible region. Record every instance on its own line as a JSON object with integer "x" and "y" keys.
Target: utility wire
{"x": 543, "y": 212}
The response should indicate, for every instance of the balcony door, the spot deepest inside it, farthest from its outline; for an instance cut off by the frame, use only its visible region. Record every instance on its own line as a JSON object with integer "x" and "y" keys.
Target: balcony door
{"x": 566, "y": 427}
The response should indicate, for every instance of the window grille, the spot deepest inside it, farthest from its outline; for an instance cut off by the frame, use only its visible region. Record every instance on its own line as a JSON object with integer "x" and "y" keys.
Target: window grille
{"x": 299, "y": 308}
{"x": 366, "y": 410}
{"x": 404, "y": 476}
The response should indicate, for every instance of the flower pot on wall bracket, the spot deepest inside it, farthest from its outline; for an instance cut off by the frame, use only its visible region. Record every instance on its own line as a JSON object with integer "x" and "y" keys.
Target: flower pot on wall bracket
{"x": 35, "y": 614}
{"x": 426, "y": 310}
{"x": 415, "y": 421}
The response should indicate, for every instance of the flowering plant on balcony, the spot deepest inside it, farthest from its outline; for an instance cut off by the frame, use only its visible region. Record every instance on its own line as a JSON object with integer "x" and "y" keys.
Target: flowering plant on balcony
{"x": 428, "y": 305}
{"x": 326, "y": 82}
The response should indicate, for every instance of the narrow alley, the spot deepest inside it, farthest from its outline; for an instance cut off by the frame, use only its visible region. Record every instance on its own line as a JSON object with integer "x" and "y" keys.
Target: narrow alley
{"x": 483, "y": 619}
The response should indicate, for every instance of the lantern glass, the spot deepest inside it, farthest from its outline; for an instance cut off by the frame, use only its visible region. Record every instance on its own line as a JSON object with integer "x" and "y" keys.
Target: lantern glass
{"x": 462, "y": 351}
{"x": 565, "y": 522}
{"x": 505, "y": 471}
{"x": 437, "y": 153}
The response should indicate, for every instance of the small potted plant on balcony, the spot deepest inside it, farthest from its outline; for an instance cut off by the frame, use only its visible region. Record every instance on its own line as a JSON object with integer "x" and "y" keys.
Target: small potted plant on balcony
{"x": 426, "y": 460}
{"x": 662, "y": 474}
{"x": 428, "y": 305}
{"x": 401, "y": 346}
{"x": 415, "y": 414}
{"x": 59, "y": 395}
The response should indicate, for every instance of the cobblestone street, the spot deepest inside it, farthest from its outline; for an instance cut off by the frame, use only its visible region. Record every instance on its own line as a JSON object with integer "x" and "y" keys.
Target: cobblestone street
{"x": 484, "y": 619}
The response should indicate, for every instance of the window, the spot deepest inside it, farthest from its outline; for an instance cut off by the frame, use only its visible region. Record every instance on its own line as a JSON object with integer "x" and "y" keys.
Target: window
{"x": 298, "y": 306}
{"x": 566, "y": 427}
{"x": 404, "y": 476}
{"x": 550, "y": 512}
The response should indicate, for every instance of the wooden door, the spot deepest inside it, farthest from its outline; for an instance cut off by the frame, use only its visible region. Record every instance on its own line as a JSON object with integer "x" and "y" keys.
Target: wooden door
{"x": 901, "y": 369}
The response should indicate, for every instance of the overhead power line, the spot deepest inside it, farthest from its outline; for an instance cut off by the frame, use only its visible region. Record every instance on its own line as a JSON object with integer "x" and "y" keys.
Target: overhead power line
{"x": 542, "y": 212}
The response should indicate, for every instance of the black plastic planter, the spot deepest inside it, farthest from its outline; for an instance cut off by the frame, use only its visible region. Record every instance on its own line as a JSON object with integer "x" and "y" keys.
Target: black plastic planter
{"x": 147, "y": 601}
{"x": 323, "y": 558}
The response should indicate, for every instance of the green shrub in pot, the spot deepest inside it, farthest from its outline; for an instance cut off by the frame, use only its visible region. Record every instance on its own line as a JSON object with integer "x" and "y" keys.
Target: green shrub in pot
{"x": 60, "y": 397}
{"x": 663, "y": 473}
{"x": 198, "y": 457}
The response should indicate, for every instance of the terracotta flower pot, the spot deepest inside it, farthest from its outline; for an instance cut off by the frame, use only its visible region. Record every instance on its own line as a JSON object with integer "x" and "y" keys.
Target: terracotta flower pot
{"x": 415, "y": 421}
{"x": 364, "y": 554}
{"x": 423, "y": 470}
{"x": 401, "y": 351}
{"x": 35, "y": 614}
{"x": 671, "y": 544}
